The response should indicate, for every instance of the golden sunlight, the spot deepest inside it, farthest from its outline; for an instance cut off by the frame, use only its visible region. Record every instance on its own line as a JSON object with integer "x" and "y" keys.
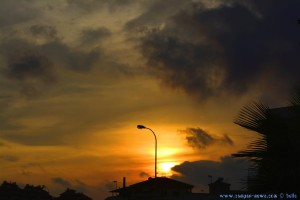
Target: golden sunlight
{"x": 165, "y": 168}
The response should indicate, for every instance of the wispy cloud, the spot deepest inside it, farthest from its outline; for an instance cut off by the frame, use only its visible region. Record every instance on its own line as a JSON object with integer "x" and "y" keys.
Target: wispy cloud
{"x": 14, "y": 12}
{"x": 144, "y": 175}
{"x": 61, "y": 181}
{"x": 94, "y": 35}
{"x": 44, "y": 31}
{"x": 9, "y": 158}
{"x": 201, "y": 139}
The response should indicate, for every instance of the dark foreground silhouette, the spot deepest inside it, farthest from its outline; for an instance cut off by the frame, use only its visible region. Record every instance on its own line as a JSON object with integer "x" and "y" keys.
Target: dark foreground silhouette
{"x": 276, "y": 153}
{"x": 11, "y": 191}
{"x": 163, "y": 188}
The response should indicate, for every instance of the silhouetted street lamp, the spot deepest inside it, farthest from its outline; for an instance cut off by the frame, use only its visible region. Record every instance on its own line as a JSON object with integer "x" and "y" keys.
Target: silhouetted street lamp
{"x": 143, "y": 127}
{"x": 116, "y": 182}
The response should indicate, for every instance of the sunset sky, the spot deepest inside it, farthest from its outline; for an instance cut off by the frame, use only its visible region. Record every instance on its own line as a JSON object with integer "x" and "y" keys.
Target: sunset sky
{"x": 78, "y": 76}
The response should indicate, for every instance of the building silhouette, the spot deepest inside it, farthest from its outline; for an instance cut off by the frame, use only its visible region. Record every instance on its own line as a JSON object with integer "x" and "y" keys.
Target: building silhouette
{"x": 162, "y": 188}
{"x": 218, "y": 187}
{"x": 11, "y": 191}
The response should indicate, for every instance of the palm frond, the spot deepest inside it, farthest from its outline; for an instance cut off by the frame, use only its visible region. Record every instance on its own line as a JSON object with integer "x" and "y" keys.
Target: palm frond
{"x": 256, "y": 151}
{"x": 252, "y": 116}
{"x": 275, "y": 158}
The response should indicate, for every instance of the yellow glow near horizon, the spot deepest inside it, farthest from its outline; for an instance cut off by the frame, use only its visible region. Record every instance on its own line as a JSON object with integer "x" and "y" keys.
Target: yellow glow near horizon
{"x": 165, "y": 168}
{"x": 167, "y": 152}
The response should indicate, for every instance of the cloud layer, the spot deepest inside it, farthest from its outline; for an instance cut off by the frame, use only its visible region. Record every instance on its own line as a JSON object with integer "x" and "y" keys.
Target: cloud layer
{"x": 201, "y": 139}
{"x": 61, "y": 61}
{"x": 208, "y": 52}
{"x": 61, "y": 181}
{"x": 234, "y": 171}
{"x": 32, "y": 71}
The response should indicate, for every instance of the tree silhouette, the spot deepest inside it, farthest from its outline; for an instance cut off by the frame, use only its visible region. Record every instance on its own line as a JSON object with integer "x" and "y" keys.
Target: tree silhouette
{"x": 11, "y": 191}
{"x": 70, "y": 194}
{"x": 32, "y": 192}
{"x": 275, "y": 154}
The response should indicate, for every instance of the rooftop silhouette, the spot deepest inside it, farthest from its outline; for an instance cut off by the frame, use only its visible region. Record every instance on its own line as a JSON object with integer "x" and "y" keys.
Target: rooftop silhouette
{"x": 168, "y": 189}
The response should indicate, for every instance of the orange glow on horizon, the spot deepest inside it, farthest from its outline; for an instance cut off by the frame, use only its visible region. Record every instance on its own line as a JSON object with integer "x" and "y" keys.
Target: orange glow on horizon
{"x": 165, "y": 168}
{"x": 167, "y": 152}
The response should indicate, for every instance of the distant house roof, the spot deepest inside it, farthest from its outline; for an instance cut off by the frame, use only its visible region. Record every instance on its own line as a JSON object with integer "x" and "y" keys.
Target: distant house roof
{"x": 219, "y": 181}
{"x": 156, "y": 183}
{"x": 219, "y": 186}
{"x": 162, "y": 182}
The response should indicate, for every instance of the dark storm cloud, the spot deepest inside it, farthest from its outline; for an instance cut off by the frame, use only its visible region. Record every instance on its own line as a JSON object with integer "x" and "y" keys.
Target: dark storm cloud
{"x": 39, "y": 58}
{"x": 234, "y": 171}
{"x": 207, "y": 52}
{"x": 199, "y": 138}
{"x": 32, "y": 71}
{"x": 61, "y": 181}
{"x": 93, "y": 35}
{"x": 29, "y": 65}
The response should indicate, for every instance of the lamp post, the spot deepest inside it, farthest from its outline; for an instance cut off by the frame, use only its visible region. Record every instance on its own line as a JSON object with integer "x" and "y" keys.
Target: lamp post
{"x": 143, "y": 127}
{"x": 116, "y": 182}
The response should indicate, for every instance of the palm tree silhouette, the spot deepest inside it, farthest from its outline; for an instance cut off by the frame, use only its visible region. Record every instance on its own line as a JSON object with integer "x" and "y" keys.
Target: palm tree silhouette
{"x": 275, "y": 154}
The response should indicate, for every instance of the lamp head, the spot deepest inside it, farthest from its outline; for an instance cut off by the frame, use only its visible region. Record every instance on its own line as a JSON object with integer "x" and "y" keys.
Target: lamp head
{"x": 140, "y": 127}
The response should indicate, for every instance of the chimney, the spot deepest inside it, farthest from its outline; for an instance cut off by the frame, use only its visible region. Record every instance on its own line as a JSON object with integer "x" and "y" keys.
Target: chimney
{"x": 123, "y": 194}
{"x": 124, "y": 182}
